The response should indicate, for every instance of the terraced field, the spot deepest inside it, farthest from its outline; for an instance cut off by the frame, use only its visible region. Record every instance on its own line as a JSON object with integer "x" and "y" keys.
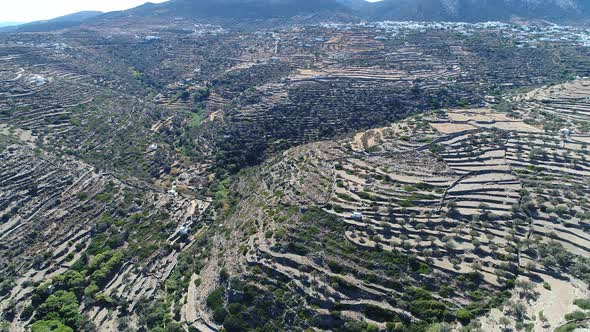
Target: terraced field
{"x": 45, "y": 196}
{"x": 323, "y": 177}
{"x": 452, "y": 212}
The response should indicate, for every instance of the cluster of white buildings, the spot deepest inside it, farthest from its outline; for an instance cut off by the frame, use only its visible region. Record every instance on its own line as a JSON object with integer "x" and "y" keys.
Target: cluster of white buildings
{"x": 525, "y": 35}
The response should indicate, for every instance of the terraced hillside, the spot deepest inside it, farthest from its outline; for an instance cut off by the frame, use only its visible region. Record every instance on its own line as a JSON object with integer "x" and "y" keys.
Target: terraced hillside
{"x": 443, "y": 217}
{"x": 62, "y": 219}
{"x": 363, "y": 78}
{"x": 138, "y": 193}
{"x": 224, "y": 94}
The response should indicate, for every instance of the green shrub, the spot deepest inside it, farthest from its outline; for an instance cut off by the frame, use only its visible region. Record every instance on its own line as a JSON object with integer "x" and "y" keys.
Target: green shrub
{"x": 583, "y": 303}
{"x": 379, "y": 314}
{"x": 235, "y": 308}
{"x": 576, "y": 315}
{"x": 153, "y": 314}
{"x": 335, "y": 266}
{"x": 215, "y": 300}
{"x": 104, "y": 300}
{"x": 62, "y": 306}
{"x": 91, "y": 289}
{"x": 567, "y": 328}
{"x": 50, "y": 326}
{"x": 82, "y": 196}
{"x": 417, "y": 293}
{"x": 409, "y": 188}
{"x": 354, "y": 326}
{"x": 220, "y": 314}
{"x": 428, "y": 309}
{"x": 27, "y": 312}
{"x": 235, "y": 323}
{"x": 464, "y": 316}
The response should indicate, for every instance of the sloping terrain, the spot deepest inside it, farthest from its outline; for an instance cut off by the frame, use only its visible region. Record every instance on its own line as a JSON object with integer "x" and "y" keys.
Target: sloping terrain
{"x": 478, "y": 10}
{"x": 439, "y": 217}
{"x": 57, "y": 23}
{"x": 175, "y": 175}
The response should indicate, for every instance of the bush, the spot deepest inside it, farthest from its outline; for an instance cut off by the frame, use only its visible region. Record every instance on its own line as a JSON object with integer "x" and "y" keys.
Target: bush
{"x": 464, "y": 316}
{"x": 379, "y": 314}
{"x": 583, "y": 303}
{"x": 104, "y": 300}
{"x": 215, "y": 300}
{"x": 6, "y": 286}
{"x": 428, "y": 309}
{"x": 419, "y": 293}
{"x": 153, "y": 314}
{"x": 354, "y": 326}
{"x": 576, "y": 315}
{"x": 234, "y": 323}
{"x": 235, "y": 308}
{"x": 224, "y": 274}
{"x": 27, "y": 312}
{"x": 220, "y": 314}
{"x": 91, "y": 289}
{"x": 50, "y": 326}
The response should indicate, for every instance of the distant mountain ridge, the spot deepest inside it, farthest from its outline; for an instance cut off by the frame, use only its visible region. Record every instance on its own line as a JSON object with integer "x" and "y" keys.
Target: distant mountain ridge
{"x": 242, "y": 9}
{"x": 7, "y": 24}
{"x": 62, "y": 22}
{"x": 424, "y": 10}
{"x": 479, "y": 10}
{"x": 332, "y": 10}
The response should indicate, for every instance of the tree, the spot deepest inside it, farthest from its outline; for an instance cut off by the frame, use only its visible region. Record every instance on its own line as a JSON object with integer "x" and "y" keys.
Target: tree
{"x": 62, "y": 306}
{"x": 527, "y": 289}
{"x": 234, "y": 323}
{"x": 517, "y": 310}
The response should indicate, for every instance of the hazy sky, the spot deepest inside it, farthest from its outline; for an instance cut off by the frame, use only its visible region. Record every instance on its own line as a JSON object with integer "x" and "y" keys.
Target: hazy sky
{"x": 35, "y": 10}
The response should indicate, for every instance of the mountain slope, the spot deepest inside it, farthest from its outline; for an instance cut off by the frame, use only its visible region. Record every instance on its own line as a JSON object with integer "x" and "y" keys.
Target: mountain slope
{"x": 478, "y": 10}
{"x": 62, "y": 22}
{"x": 7, "y": 24}
{"x": 253, "y": 9}
{"x": 345, "y": 10}
{"x": 333, "y": 10}
{"x": 440, "y": 217}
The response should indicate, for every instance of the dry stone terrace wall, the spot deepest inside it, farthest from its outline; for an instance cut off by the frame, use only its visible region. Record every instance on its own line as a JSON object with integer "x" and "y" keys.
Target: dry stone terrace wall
{"x": 55, "y": 211}
{"x": 457, "y": 201}
{"x": 356, "y": 80}
{"x": 553, "y": 164}
{"x": 65, "y": 109}
{"x": 40, "y": 91}
{"x": 467, "y": 192}
{"x": 323, "y": 81}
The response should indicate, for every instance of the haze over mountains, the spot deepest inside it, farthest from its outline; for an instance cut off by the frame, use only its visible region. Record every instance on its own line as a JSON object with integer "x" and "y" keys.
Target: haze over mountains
{"x": 428, "y": 10}
{"x": 338, "y": 10}
{"x": 6, "y": 24}
{"x": 57, "y": 23}
{"x": 478, "y": 10}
